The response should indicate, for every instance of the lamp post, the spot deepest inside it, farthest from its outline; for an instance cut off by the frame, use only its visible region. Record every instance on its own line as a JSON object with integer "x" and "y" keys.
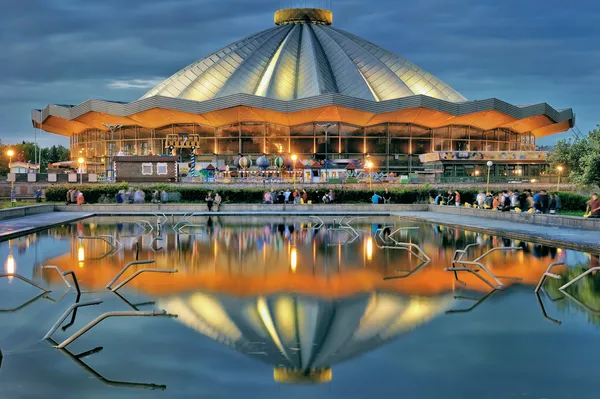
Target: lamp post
{"x": 81, "y": 161}
{"x": 13, "y": 198}
{"x": 487, "y": 187}
{"x": 294, "y": 157}
{"x": 369, "y": 167}
{"x": 560, "y": 170}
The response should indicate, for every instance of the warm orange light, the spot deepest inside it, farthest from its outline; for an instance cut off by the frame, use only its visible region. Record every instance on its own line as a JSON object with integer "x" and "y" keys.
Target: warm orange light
{"x": 368, "y": 164}
{"x": 533, "y": 180}
{"x": 80, "y": 256}
{"x": 560, "y": 169}
{"x": 369, "y": 249}
{"x": 10, "y": 153}
{"x": 476, "y": 173}
{"x": 293, "y": 260}
{"x": 81, "y": 161}
{"x": 294, "y": 157}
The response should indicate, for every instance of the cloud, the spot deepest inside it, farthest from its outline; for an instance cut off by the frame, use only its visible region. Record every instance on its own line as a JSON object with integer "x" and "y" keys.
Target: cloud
{"x": 135, "y": 83}
{"x": 67, "y": 51}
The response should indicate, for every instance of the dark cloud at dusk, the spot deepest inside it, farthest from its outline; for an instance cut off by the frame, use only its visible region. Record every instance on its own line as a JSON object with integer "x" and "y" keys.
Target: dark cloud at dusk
{"x": 68, "y": 51}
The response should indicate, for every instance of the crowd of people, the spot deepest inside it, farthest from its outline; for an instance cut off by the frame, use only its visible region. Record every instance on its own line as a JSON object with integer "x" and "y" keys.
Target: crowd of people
{"x": 138, "y": 196}
{"x": 74, "y": 196}
{"x": 506, "y": 201}
{"x": 297, "y": 197}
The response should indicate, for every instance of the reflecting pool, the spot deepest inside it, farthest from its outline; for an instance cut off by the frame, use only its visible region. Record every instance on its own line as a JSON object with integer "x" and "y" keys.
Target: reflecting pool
{"x": 286, "y": 307}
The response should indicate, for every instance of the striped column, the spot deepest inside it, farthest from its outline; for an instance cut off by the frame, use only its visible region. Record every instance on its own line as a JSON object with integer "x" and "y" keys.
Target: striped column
{"x": 193, "y": 165}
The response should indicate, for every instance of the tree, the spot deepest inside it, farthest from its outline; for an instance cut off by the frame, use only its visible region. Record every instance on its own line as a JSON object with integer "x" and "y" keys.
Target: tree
{"x": 26, "y": 151}
{"x": 580, "y": 157}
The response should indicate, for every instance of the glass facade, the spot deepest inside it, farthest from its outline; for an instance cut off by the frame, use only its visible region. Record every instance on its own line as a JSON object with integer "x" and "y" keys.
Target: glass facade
{"x": 393, "y": 147}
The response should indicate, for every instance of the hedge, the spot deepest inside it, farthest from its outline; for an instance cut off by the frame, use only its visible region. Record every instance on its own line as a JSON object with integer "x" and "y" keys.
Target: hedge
{"x": 98, "y": 193}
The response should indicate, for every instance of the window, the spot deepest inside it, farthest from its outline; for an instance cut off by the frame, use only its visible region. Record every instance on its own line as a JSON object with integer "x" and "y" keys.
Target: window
{"x": 161, "y": 168}
{"x": 147, "y": 169}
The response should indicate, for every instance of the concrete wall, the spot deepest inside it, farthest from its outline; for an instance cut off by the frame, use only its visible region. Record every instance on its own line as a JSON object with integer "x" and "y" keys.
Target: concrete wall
{"x": 544, "y": 220}
{"x": 240, "y": 208}
{"x": 10, "y": 213}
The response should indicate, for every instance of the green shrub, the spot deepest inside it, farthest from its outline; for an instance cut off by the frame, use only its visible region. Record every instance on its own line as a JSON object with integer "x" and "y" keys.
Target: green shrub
{"x": 107, "y": 193}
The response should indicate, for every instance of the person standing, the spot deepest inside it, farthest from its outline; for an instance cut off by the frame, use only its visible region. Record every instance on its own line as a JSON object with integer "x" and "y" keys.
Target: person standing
{"x": 331, "y": 196}
{"x": 304, "y": 196}
{"x": 387, "y": 197}
{"x": 80, "y": 199}
{"x": 74, "y": 194}
{"x": 480, "y": 199}
{"x": 456, "y": 198}
{"x": 545, "y": 201}
{"x": 164, "y": 197}
{"x": 552, "y": 205}
{"x": 593, "y": 207}
{"x": 450, "y": 200}
{"x": 376, "y": 198}
{"x": 558, "y": 204}
{"x": 287, "y": 194}
{"x": 209, "y": 201}
{"x": 218, "y": 201}
{"x": 296, "y": 196}
{"x": 68, "y": 196}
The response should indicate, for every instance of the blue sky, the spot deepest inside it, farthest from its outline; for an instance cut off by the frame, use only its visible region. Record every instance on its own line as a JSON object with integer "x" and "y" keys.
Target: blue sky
{"x": 68, "y": 51}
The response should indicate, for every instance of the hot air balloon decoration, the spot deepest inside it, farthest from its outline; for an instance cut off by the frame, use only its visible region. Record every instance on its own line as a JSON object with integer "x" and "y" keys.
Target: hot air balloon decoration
{"x": 263, "y": 162}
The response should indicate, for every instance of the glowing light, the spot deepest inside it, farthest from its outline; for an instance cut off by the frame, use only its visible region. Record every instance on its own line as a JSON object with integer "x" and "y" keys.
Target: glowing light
{"x": 80, "y": 255}
{"x": 476, "y": 173}
{"x": 265, "y": 315}
{"x": 560, "y": 169}
{"x": 10, "y": 153}
{"x": 81, "y": 161}
{"x": 293, "y": 260}
{"x": 368, "y": 164}
{"x": 294, "y": 157}
{"x": 369, "y": 249}
{"x": 266, "y": 78}
{"x": 11, "y": 266}
{"x": 533, "y": 180}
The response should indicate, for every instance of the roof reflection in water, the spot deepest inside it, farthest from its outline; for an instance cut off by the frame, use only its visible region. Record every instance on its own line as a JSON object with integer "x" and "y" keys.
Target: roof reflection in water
{"x": 303, "y": 336}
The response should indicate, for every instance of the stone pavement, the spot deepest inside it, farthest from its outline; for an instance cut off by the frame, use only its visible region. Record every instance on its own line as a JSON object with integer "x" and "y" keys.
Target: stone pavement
{"x": 11, "y": 228}
{"x": 584, "y": 240}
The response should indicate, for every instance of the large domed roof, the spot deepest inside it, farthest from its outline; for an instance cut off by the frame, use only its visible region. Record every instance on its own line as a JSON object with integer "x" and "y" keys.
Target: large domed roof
{"x": 303, "y": 56}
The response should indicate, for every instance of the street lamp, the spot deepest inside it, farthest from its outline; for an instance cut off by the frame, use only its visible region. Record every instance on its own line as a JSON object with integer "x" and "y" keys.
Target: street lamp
{"x": 294, "y": 157}
{"x": 81, "y": 161}
{"x": 369, "y": 167}
{"x": 560, "y": 170}
{"x": 13, "y": 198}
{"x": 489, "y": 165}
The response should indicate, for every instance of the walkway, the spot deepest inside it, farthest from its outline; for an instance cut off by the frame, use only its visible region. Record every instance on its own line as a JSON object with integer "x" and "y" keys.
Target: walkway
{"x": 12, "y": 228}
{"x": 583, "y": 240}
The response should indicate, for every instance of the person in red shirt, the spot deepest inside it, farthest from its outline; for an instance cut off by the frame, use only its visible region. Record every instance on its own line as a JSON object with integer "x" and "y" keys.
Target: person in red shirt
{"x": 457, "y": 198}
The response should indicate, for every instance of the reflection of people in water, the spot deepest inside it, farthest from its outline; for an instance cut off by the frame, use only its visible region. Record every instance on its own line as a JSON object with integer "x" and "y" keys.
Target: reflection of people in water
{"x": 210, "y": 226}
{"x": 281, "y": 228}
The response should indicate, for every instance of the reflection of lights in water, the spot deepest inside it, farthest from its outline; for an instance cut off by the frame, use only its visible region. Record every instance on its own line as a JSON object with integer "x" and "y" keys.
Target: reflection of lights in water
{"x": 80, "y": 256}
{"x": 265, "y": 315}
{"x": 293, "y": 259}
{"x": 11, "y": 266}
{"x": 369, "y": 249}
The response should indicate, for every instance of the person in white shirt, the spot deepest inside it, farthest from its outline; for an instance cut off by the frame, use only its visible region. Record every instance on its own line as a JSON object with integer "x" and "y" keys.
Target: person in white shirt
{"x": 480, "y": 199}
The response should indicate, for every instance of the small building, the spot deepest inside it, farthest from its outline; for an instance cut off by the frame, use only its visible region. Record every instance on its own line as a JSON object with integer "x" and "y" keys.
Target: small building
{"x": 150, "y": 168}
{"x": 24, "y": 167}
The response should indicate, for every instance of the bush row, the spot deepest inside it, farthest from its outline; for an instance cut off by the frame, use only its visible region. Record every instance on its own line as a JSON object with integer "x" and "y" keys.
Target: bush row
{"x": 94, "y": 193}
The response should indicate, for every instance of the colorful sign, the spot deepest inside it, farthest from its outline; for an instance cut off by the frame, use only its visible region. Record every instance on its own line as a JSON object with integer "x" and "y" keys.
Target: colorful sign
{"x": 498, "y": 156}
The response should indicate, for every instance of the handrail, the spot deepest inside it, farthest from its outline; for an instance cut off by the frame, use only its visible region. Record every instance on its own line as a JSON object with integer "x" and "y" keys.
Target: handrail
{"x": 127, "y": 266}
{"x": 102, "y": 238}
{"x": 180, "y": 229}
{"x": 60, "y": 272}
{"x": 160, "y": 215}
{"x": 466, "y": 269}
{"x": 576, "y": 279}
{"x": 402, "y": 228}
{"x": 107, "y": 315}
{"x": 149, "y": 224}
{"x": 145, "y": 270}
{"x": 24, "y": 305}
{"x": 151, "y": 245}
{"x": 476, "y": 262}
{"x": 113, "y": 238}
{"x": 416, "y": 269}
{"x": 474, "y": 306}
{"x": 64, "y": 316}
{"x": 25, "y": 279}
{"x": 548, "y": 274}
{"x": 131, "y": 305}
{"x": 539, "y": 298}
{"x": 98, "y": 376}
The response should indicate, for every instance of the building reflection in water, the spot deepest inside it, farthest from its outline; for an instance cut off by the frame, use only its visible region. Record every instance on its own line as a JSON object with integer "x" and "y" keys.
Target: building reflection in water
{"x": 302, "y": 337}
{"x": 281, "y": 292}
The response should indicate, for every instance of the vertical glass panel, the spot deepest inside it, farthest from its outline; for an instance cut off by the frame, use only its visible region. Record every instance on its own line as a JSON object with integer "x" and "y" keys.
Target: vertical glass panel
{"x": 205, "y": 146}
{"x": 441, "y": 132}
{"x": 442, "y": 145}
{"x": 399, "y": 146}
{"x": 377, "y": 130}
{"x": 253, "y": 130}
{"x": 129, "y": 133}
{"x": 491, "y": 135}
{"x": 302, "y": 130}
{"x": 491, "y": 146}
{"x": 332, "y": 130}
{"x": 459, "y": 132}
{"x": 399, "y": 130}
{"x": 277, "y": 130}
{"x": 228, "y": 146}
{"x": 476, "y": 145}
{"x": 301, "y": 145}
{"x": 204, "y": 131}
{"x": 460, "y": 145}
{"x": 420, "y": 131}
{"x": 252, "y": 145}
{"x": 421, "y": 146}
{"x": 228, "y": 131}
{"x": 352, "y": 145}
{"x": 377, "y": 145}
{"x": 476, "y": 134}
{"x": 277, "y": 145}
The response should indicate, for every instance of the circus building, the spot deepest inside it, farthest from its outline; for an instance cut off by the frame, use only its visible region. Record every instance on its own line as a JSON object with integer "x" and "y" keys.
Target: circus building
{"x": 309, "y": 89}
